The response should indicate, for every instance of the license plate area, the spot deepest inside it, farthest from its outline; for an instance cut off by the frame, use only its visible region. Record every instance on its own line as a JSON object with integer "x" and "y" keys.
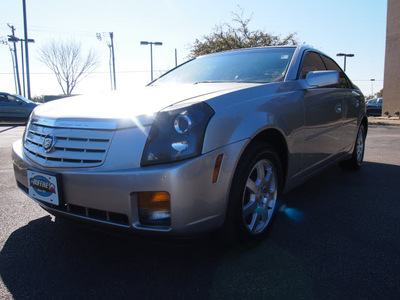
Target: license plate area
{"x": 43, "y": 187}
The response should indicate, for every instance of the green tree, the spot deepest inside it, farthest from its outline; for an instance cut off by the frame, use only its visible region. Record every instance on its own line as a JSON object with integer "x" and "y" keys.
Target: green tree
{"x": 68, "y": 63}
{"x": 227, "y": 37}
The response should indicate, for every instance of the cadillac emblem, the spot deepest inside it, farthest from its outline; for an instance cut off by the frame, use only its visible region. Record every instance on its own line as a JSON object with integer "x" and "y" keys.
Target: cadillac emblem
{"x": 48, "y": 143}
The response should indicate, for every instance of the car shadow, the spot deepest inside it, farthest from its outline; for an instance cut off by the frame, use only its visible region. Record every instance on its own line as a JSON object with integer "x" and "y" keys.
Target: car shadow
{"x": 329, "y": 238}
{"x": 46, "y": 259}
{"x": 344, "y": 226}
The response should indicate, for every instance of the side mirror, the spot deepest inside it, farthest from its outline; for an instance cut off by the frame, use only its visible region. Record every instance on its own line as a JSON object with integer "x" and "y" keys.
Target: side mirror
{"x": 322, "y": 78}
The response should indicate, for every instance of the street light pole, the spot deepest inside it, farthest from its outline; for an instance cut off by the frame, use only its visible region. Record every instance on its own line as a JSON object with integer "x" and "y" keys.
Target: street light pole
{"x": 28, "y": 83}
{"x": 345, "y": 55}
{"x": 372, "y": 87}
{"x": 151, "y": 53}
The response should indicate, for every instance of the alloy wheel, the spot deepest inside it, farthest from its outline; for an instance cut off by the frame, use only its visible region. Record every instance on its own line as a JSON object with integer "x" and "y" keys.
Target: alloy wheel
{"x": 260, "y": 196}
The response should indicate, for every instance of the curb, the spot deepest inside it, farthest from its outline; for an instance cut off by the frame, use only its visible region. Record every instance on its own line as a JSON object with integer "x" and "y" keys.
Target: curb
{"x": 392, "y": 121}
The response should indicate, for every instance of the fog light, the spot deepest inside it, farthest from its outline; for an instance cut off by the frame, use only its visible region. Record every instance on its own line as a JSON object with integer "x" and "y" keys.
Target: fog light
{"x": 154, "y": 208}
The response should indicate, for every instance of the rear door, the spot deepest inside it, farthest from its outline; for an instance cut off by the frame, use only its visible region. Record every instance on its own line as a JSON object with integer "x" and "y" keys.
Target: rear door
{"x": 351, "y": 100}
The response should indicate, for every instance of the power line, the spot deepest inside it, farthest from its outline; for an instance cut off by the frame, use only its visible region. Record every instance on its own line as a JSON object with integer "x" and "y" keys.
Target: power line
{"x": 45, "y": 29}
{"x": 366, "y": 80}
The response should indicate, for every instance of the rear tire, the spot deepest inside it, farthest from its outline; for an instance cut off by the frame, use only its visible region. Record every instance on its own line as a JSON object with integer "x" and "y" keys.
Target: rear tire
{"x": 357, "y": 157}
{"x": 253, "y": 198}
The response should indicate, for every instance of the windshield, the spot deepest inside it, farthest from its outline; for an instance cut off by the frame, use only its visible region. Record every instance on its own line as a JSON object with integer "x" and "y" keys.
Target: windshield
{"x": 258, "y": 65}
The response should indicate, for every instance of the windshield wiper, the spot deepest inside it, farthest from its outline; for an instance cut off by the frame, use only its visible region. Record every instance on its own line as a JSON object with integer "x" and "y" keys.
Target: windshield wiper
{"x": 206, "y": 81}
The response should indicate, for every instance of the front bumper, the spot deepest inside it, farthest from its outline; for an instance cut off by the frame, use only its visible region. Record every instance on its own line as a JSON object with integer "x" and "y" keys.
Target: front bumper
{"x": 110, "y": 196}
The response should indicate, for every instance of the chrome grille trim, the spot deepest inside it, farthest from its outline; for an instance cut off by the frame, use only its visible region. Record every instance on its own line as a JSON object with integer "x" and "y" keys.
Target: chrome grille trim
{"x": 74, "y": 147}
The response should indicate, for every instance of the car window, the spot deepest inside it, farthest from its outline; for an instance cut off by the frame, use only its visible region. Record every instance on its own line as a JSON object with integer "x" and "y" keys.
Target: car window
{"x": 12, "y": 99}
{"x": 22, "y": 99}
{"x": 332, "y": 65}
{"x": 312, "y": 62}
{"x": 4, "y": 99}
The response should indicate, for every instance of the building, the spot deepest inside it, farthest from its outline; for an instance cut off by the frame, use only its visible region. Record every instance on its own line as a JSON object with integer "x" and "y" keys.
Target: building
{"x": 391, "y": 91}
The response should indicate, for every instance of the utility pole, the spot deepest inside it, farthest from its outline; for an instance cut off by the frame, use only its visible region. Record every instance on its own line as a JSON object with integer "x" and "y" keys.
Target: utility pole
{"x": 112, "y": 57}
{"x": 28, "y": 84}
{"x": 13, "y": 62}
{"x": 23, "y": 68}
{"x": 14, "y": 40}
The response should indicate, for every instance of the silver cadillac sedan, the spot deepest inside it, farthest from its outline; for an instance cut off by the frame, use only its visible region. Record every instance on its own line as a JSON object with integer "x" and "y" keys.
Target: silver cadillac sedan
{"x": 212, "y": 144}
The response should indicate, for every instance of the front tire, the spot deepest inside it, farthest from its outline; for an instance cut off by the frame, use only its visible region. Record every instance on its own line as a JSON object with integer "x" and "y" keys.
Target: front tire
{"x": 253, "y": 198}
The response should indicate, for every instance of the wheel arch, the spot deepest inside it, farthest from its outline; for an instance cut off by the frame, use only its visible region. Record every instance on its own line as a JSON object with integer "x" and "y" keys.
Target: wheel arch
{"x": 278, "y": 142}
{"x": 364, "y": 122}
{"x": 274, "y": 140}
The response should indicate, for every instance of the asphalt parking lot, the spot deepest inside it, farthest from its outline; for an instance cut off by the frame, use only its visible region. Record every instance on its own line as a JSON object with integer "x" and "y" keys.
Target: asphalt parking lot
{"x": 336, "y": 237}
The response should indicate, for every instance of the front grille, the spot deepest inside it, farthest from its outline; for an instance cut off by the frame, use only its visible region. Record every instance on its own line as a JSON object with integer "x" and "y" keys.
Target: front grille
{"x": 96, "y": 214}
{"x": 73, "y": 147}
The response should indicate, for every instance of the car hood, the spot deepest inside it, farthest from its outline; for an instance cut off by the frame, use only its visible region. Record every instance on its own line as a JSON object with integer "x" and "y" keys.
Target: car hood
{"x": 124, "y": 109}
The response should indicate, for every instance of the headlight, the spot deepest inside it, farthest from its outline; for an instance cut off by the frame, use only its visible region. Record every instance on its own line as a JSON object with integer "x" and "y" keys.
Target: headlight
{"x": 177, "y": 133}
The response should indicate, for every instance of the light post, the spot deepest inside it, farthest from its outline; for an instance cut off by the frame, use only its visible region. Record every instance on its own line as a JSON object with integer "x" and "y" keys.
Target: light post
{"x": 151, "y": 53}
{"x": 345, "y": 55}
{"x": 372, "y": 87}
{"x": 26, "y": 40}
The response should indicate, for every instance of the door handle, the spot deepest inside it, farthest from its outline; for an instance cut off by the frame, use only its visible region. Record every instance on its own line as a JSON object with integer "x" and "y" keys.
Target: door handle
{"x": 338, "y": 108}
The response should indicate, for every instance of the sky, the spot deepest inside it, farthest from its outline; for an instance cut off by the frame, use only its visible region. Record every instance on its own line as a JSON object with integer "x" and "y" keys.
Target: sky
{"x": 332, "y": 26}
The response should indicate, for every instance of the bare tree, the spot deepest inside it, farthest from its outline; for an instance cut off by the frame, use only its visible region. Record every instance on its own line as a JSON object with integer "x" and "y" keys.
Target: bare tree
{"x": 67, "y": 62}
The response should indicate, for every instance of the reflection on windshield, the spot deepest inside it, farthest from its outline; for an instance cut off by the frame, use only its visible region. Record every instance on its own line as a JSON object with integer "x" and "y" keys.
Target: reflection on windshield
{"x": 258, "y": 65}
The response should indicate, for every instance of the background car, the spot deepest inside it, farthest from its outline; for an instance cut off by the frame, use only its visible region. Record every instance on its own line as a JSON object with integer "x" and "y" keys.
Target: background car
{"x": 15, "y": 108}
{"x": 374, "y": 107}
{"x": 210, "y": 145}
